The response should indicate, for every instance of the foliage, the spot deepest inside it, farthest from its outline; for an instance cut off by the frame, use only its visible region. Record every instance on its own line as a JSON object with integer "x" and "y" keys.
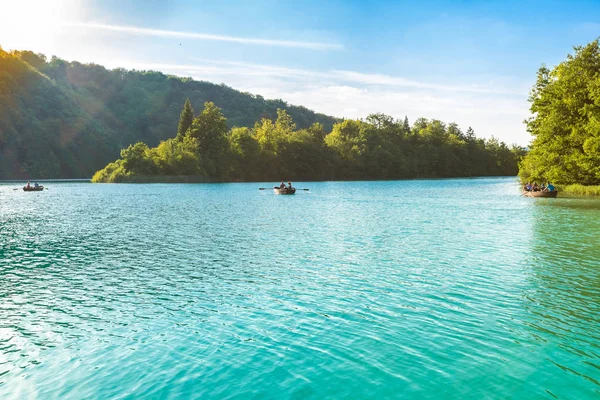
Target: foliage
{"x": 67, "y": 119}
{"x": 185, "y": 119}
{"x": 579, "y": 190}
{"x": 63, "y": 119}
{"x": 565, "y": 103}
{"x": 377, "y": 148}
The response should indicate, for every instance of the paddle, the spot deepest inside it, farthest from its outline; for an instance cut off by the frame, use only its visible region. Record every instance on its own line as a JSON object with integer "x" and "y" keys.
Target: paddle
{"x": 20, "y": 188}
{"x": 278, "y": 188}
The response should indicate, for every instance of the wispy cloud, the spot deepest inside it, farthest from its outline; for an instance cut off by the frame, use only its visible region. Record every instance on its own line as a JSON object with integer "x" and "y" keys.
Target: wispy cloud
{"x": 134, "y": 30}
{"x": 484, "y": 106}
{"x": 331, "y": 76}
{"x": 386, "y": 80}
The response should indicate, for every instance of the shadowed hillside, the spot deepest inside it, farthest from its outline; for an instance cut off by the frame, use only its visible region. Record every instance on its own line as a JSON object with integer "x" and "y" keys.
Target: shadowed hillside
{"x": 63, "y": 119}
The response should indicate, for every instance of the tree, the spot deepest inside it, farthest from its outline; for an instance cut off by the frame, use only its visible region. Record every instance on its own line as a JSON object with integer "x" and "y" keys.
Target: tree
{"x": 209, "y": 128}
{"x": 470, "y": 135}
{"x": 318, "y": 131}
{"x": 406, "y": 126}
{"x": 348, "y": 143}
{"x": 380, "y": 120}
{"x": 284, "y": 123}
{"x": 565, "y": 122}
{"x": 185, "y": 120}
{"x": 245, "y": 154}
{"x": 135, "y": 159}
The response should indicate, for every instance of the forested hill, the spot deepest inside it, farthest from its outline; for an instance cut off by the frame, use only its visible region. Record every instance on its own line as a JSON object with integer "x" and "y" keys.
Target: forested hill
{"x": 62, "y": 119}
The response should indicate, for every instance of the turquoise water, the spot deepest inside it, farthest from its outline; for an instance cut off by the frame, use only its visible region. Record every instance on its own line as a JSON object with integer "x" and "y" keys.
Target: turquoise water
{"x": 414, "y": 289}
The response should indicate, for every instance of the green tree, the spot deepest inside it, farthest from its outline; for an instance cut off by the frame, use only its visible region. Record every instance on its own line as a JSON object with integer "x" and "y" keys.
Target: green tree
{"x": 565, "y": 104}
{"x": 185, "y": 120}
{"x": 135, "y": 159}
{"x": 245, "y": 154}
{"x": 209, "y": 129}
{"x": 406, "y": 126}
{"x": 318, "y": 131}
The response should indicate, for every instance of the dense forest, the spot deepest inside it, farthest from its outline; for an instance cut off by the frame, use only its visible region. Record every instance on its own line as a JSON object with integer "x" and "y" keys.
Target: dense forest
{"x": 63, "y": 119}
{"x": 565, "y": 103}
{"x": 379, "y": 147}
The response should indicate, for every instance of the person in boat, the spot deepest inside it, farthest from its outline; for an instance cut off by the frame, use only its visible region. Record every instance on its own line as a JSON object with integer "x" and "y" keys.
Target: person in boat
{"x": 282, "y": 186}
{"x": 550, "y": 187}
{"x": 535, "y": 187}
{"x": 290, "y": 186}
{"x": 28, "y": 186}
{"x": 527, "y": 187}
{"x": 35, "y": 185}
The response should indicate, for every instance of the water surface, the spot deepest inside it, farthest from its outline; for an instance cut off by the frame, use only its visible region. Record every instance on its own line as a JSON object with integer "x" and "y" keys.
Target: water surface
{"x": 417, "y": 289}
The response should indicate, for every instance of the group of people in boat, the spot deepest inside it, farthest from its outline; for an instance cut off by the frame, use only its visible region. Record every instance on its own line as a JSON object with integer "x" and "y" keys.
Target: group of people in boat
{"x": 282, "y": 186}
{"x": 35, "y": 186}
{"x": 529, "y": 187}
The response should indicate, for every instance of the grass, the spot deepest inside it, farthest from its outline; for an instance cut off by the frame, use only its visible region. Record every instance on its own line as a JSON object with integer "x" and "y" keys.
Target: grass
{"x": 579, "y": 190}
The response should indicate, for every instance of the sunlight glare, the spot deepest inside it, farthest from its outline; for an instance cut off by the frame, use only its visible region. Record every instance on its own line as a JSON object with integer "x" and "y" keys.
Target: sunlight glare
{"x": 35, "y": 25}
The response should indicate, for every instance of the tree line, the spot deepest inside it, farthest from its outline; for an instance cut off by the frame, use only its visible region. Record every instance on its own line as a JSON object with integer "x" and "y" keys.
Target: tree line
{"x": 378, "y": 147}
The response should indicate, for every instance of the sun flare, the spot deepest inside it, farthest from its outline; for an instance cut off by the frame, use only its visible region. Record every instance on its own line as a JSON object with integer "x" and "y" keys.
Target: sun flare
{"x": 35, "y": 25}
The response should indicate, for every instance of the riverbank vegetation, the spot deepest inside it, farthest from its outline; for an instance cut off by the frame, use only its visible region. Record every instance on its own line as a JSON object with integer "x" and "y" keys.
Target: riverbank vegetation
{"x": 579, "y": 190}
{"x": 62, "y": 119}
{"x": 379, "y": 147}
{"x": 565, "y": 103}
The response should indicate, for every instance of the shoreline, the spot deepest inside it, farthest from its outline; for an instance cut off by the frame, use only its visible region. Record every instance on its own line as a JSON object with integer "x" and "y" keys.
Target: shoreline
{"x": 200, "y": 179}
{"x": 574, "y": 190}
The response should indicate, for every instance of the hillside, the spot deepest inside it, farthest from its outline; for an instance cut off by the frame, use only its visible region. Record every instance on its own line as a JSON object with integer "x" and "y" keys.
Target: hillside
{"x": 62, "y": 119}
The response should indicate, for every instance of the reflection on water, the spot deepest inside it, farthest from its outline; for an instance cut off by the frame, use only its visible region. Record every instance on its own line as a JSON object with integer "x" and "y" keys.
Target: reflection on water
{"x": 564, "y": 299}
{"x": 447, "y": 288}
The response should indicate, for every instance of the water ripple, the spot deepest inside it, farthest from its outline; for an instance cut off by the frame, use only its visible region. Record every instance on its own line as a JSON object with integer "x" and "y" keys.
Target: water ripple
{"x": 428, "y": 289}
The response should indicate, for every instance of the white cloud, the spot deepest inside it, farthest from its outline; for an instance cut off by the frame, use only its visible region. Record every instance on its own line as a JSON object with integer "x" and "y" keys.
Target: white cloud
{"x": 350, "y": 94}
{"x": 134, "y": 30}
{"x": 379, "y": 79}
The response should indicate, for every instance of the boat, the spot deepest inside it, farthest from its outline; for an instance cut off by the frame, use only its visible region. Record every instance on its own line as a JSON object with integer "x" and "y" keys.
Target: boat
{"x": 284, "y": 190}
{"x": 540, "y": 193}
{"x": 33, "y": 188}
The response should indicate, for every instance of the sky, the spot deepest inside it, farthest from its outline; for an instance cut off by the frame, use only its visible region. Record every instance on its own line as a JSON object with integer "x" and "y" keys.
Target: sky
{"x": 469, "y": 62}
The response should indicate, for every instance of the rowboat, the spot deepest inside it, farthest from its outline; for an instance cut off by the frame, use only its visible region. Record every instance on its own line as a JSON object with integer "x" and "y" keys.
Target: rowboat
{"x": 33, "y": 188}
{"x": 540, "y": 193}
{"x": 284, "y": 190}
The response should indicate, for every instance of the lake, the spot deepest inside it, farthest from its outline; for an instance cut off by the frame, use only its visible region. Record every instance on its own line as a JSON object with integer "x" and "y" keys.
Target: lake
{"x": 455, "y": 288}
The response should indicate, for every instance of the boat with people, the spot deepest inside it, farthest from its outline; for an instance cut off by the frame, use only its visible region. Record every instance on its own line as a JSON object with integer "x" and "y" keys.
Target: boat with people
{"x": 533, "y": 190}
{"x": 33, "y": 188}
{"x": 530, "y": 193}
{"x": 283, "y": 189}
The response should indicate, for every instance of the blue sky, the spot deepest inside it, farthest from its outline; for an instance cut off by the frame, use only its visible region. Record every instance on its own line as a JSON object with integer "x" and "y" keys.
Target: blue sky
{"x": 470, "y": 62}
